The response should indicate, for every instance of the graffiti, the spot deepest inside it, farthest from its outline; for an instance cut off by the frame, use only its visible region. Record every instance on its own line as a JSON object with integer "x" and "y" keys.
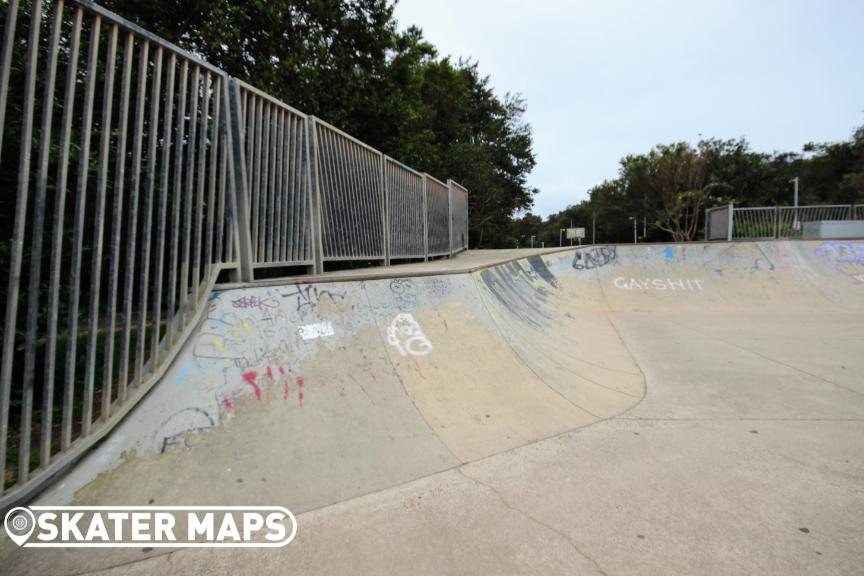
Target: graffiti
{"x": 405, "y": 293}
{"x": 300, "y": 383}
{"x": 658, "y": 284}
{"x": 228, "y": 403}
{"x": 516, "y": 296}
{"x": 845, "y": 258}
{"x": 234, "y": 336}
{"x": 317, "y": 330}
{"x": 669, "y": 254}
{"x": 309, "y": 296}
{"x": 406, "y": 335}
{"x": 438, "y": 287}
{"x": 175, "y": 429}
{"x": 251, "y": 378}
{"x": 254, "y": 302}
{"x": 542, "y": 270}
{"x": 594, "y": 257}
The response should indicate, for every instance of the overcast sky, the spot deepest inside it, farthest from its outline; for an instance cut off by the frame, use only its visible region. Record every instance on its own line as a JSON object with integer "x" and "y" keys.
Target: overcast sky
{"x": 607, "y": 78}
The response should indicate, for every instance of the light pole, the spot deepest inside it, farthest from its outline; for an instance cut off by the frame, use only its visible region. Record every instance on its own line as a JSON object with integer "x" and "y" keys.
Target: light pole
{"x": 532, "y": 241}
{"x": 560, "y": 236}
{"x": 635, "y": 233}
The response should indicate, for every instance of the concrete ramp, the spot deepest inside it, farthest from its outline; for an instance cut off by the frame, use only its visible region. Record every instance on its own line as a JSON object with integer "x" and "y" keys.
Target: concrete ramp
{"x": 305, "y": 395}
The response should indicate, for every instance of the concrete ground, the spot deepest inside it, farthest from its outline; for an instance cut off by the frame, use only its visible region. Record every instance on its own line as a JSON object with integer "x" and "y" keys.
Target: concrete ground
{"x": 600, "y": 426}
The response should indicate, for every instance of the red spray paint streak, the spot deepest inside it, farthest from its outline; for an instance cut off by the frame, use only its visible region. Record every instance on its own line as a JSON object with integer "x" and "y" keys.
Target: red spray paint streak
{"x": 286, "y": 390}
{"x": 269, "y": 372}
{"x": 229, "y": 405}
{"x": 300, "y": 383}
{"x": 251, "y": 378}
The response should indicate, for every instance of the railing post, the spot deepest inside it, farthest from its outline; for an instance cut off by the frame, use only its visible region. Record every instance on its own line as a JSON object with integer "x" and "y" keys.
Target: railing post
{"x": 425, "y": 222}
{"x": 468, "y": 219}
{"x": 776, "y": 223}
{"x": 385, "y": 210}
{"x": 450, "y": 215}
{"x": 729, "y": 223}
{"x": 314, "y": 194}
{"x": 238, "y": 192}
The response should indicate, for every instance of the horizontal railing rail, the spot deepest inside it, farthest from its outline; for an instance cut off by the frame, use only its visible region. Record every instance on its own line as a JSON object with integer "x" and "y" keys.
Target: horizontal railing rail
{"x": 136, "y": 175}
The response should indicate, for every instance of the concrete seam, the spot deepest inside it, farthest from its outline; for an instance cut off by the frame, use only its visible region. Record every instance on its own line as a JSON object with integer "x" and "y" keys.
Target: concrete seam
{"x": 534, "y": 519}
{"x": 768, "y": 358}
{"x": 399, "y": 377}
{"x": 742, "y": 419}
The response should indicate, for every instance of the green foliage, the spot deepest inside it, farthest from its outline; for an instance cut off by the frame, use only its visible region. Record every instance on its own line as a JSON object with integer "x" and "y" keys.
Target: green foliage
{"x": 672, "y": 184}
{"x": 345, "y": 62}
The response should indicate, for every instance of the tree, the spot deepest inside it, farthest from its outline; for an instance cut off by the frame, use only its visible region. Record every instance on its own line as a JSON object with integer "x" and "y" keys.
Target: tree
{"x": 345, "y": 62}
{"x": 675, "y": 177}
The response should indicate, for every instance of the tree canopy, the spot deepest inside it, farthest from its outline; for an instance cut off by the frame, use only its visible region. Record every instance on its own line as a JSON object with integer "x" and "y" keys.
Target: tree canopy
{"x": 348, "y": 63}
{"x": 669, "y": 187}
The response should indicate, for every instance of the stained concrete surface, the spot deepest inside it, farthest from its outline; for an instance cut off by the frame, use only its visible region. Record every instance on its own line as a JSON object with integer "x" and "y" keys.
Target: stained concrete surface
{"x": 513, "y": 436}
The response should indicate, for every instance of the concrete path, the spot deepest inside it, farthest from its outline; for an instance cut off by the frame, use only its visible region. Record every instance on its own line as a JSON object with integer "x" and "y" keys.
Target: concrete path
{"x": 691, "y": 409}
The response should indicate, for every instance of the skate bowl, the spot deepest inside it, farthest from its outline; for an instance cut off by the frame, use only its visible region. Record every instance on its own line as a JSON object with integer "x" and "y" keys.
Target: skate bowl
{"x": 310, "y": 394}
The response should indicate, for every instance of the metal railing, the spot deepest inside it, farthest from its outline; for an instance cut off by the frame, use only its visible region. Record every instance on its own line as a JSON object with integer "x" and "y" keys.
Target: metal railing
{"x": 349, "y": 182}
{"x": 274, "y": 145}
{"x": 140, "y": 174}
{"x": 755, "y": 223}
{"x": 437, "y": 217}
{"x": 790, "y": 220}
{"x": 406, "y": 207}
{"x": 731, "y": 223}
{"x": 459, "y": 219}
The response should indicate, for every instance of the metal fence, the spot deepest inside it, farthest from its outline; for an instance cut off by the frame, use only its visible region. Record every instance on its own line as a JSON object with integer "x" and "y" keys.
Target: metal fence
{"x": 790, "y": 220}
{"x": 133, "y": 175}
{"x": 756, "y": 223}
{"x": 274, "y": 144}
{"x": 437, "y": 217}
{"x": 406, "y": 207}
{"x": 349, "y": 182}
{"x": 119, "y": 229}
{"x": 731, "y": 223}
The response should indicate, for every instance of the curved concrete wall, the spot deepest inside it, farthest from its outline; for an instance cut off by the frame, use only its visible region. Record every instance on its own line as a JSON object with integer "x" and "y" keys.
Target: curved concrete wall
{"x": 310, "y": 394}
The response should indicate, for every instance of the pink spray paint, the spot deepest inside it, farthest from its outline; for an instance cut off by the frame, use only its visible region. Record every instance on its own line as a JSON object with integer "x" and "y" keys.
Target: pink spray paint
{"x": 229, "y": 405}
{"x": 251, "y": 378}
{"x": 300, "y": 383}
